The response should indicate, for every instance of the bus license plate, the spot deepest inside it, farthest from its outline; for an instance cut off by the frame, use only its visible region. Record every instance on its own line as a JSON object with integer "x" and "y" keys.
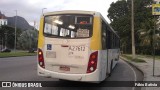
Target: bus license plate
{"x": 64, "y": 68}
{"x": 76, "y": 48}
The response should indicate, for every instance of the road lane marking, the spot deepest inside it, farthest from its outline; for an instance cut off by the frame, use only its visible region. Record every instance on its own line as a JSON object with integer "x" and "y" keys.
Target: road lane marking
{"x": 133, "y": 88}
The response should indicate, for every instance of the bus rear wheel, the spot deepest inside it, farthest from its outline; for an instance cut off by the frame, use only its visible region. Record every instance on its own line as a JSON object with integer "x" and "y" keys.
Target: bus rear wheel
{"x": 111, "y": 68}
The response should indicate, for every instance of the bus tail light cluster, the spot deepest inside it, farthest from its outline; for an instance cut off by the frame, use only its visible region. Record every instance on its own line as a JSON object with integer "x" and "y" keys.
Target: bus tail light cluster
{"x": 92, "y": 64}
{"x": 40, "y": 58}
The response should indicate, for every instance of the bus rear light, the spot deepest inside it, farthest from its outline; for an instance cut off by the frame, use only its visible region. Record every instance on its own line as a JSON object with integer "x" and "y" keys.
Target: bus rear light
{"x": 40, "y": 58}
{"x": 91, "y": 68}
{"x": 40, "y": 63}
{"x": 39, "y": 53}
{"x": 92, "y": 64}
{"x": 93, "y": 57}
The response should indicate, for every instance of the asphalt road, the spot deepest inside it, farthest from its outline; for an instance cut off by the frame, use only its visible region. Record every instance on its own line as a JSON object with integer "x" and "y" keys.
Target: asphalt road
{"x": 25, "y": 69}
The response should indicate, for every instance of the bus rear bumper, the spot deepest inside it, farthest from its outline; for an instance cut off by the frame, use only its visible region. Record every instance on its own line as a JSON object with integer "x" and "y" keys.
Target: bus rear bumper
{"x": 90, "y": 77}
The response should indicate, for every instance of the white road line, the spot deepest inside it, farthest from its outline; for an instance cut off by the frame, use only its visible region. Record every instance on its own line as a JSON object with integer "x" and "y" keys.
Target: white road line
{"x": 135, "y": 76}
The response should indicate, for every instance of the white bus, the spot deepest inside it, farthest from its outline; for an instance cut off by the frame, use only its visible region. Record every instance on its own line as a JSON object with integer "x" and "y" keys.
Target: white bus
{"x": 77, "y": 46}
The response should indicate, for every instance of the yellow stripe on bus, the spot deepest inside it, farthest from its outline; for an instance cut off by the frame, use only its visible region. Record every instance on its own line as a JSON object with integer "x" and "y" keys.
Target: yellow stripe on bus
{"x": 96, "y": 37}
{"x": 41, "y": 37}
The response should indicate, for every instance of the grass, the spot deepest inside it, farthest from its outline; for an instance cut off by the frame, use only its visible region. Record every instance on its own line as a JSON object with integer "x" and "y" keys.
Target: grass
{"x": 16, "y": 54}
{"x": 149, "y": 56}
{"x": 145, "y": 56}
{"x": 128, "y": 57}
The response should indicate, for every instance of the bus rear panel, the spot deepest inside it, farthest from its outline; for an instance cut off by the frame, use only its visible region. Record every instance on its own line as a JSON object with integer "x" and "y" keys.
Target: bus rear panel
{"x": 77, "y": 46}
{"x": 66, "y": 52}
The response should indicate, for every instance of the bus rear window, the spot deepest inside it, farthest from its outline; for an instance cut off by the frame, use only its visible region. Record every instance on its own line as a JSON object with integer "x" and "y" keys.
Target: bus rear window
{"x": 68, "y": 26}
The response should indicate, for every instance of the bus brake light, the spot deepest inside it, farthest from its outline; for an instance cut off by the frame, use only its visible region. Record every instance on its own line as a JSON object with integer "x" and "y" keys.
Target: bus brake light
{"x": 92, "y": 64}
{"x": 40, "y": 58}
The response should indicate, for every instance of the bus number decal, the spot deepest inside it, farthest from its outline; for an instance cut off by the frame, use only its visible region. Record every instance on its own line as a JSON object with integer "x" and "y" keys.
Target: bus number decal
{"x": 76, "y": 48}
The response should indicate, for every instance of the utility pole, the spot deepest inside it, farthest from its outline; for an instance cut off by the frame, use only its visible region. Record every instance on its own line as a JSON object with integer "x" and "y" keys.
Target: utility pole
{"x": 43, "y": 10}
{"x": 156, "y": 14}
{"x": 2, "y": 42}
{"x": 15, "y": 31}
{"x": 153, "y": 36}
{"x": 132, "y": 31}
{"x": 5, "y": 40}
{"x": 1, "y": 45}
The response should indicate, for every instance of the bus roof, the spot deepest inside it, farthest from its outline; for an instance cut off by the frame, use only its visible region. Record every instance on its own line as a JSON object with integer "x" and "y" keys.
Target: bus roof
{"x": 73, "y": 12}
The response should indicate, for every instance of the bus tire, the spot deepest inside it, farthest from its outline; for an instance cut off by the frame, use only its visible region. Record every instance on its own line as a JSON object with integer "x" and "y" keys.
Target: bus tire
{"x": 111, "y": 68}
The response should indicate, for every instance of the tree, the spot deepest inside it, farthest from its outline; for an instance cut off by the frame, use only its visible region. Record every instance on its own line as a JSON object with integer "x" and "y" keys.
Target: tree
{"x": 120, "y": 15}
{"x": 28, "y": 40}
{"x": 146, "y": 36}
{"x": 7, "y": 35}
{"x": 117, "y": 10}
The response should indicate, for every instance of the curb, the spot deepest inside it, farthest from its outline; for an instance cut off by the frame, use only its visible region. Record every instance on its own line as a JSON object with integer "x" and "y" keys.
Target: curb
{"x": 137, "y": 67}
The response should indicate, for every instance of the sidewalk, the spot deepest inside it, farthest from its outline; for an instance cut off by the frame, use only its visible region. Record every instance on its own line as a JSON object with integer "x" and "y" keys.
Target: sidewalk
{"x": 147, "y": 69}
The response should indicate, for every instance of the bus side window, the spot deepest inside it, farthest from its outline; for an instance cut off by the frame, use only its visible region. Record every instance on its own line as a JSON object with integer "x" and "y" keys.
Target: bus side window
{"x": 103, "y": 35}
{"x": 108, "y": 39}
{"x": 113, "y": 41}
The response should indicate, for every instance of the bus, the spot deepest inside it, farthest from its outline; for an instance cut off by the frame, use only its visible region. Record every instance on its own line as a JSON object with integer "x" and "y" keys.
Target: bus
{"x": 76, "y": 45}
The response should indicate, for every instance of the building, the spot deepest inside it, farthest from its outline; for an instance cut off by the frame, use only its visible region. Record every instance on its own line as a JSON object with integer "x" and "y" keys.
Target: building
{"x": 3, "y": 20}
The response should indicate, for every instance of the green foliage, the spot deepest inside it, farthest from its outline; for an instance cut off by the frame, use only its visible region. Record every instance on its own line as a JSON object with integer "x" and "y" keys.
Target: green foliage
{"x": 28, "y": 39}
{"x": 134, "y": 60}
{"x": 25, "y": 40}
{"x": 16, "y": 54}
{"x": 116, "y": 10}
{"x": 119, "y": 14}
{"x": 145, "y": 36}
{"x": 7, "y": 35}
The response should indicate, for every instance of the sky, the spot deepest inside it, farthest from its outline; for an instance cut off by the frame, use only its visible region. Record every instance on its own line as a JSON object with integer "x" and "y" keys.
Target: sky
{"x": 31, "y": 10}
